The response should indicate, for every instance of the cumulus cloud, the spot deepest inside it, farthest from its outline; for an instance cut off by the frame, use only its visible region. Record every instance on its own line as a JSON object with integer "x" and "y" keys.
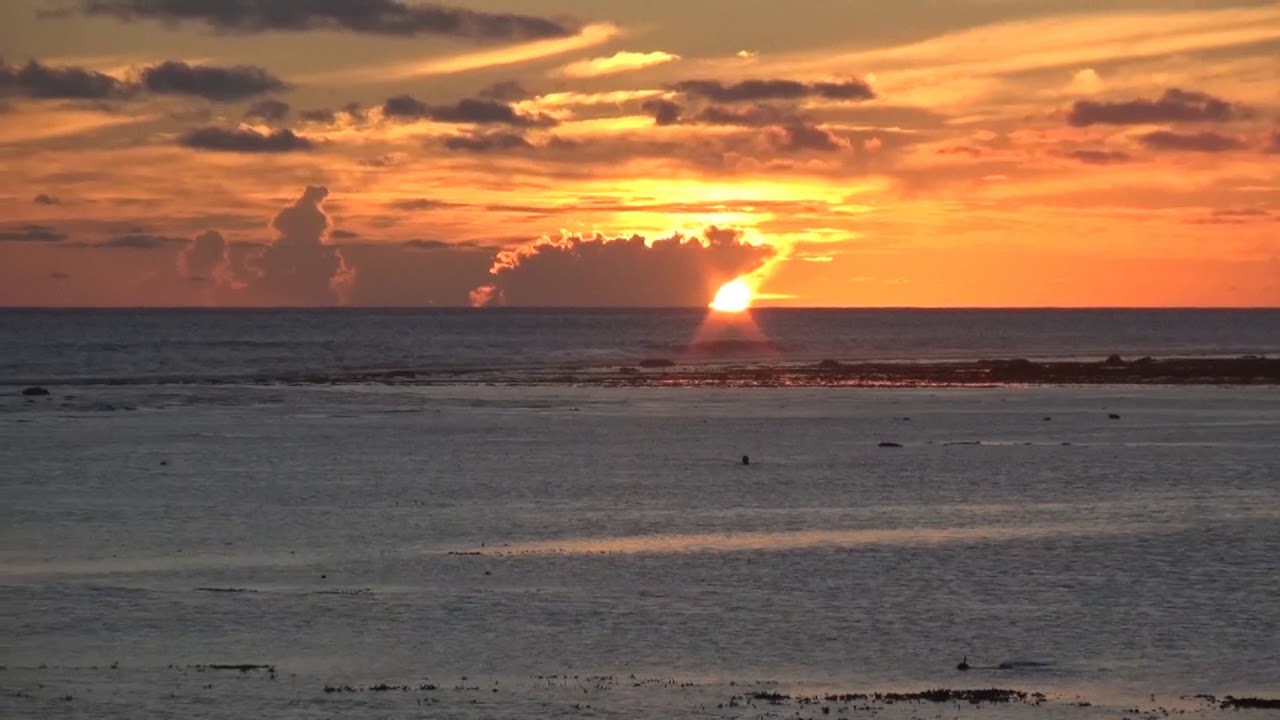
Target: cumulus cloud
{"x": 1173, "y": 106}
{"x": 209, "y": 81}
{"x": 301, "y": 267}
{"x": 207, "y": 258}
{"x": 1099, "y": 157}
{"x": 31, "y": 233}
{"x": 469, "y": 110}
{"x": 244, "y": 140}
{"x": 1206, "y": 142}
{"x": 620, "y": 272}
{"x": 756, "y": 90}
{"x": 45, "y": 199}
{"x": 379, "y": 17}
{"x": 270, "y": 110}
{"x": 64, "y": 83}
{"x": 619, "y": 62}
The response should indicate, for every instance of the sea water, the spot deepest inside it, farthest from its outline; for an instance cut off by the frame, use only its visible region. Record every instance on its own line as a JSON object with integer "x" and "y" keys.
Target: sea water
{"x": 576, "y": 551}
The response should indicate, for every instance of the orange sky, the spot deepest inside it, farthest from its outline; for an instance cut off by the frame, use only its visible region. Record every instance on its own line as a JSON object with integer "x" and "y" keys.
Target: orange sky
{"x": 574, "y": 152}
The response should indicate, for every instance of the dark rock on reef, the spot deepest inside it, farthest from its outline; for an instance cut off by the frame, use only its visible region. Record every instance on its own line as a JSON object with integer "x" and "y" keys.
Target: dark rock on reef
{"x": 829, "y": 365}
{"x": 35, "y": 392}
{"x": 1250, "y": 703}
{"x": 656, "y": 363}
{"x": 1114, "y": 361}
{"x": 890, "y": 445}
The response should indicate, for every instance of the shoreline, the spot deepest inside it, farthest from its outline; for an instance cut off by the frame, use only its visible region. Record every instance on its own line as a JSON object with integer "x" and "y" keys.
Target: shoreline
{"x": 745, "y": 372}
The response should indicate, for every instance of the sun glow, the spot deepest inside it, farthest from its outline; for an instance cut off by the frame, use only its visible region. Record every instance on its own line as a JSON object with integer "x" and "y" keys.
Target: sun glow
{"x": 734, "y": 296}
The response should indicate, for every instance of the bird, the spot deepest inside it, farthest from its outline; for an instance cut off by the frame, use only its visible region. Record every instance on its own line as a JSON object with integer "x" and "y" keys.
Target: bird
{"x": 964, "y": 664}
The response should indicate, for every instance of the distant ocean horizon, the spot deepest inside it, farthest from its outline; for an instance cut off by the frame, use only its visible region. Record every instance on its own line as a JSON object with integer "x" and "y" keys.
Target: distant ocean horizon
{"x": 184, "y": 345}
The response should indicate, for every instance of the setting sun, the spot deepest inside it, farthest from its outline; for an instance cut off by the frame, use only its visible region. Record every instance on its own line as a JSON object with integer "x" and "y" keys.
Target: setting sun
{"x": 733, "y": 296}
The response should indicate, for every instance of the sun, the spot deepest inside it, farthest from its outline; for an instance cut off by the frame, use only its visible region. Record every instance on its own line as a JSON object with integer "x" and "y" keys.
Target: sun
{"x": 734, "y": 296}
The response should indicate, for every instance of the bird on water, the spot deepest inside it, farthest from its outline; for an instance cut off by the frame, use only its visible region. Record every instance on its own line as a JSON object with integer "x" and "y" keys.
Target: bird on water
{"x": 964, "y": 664}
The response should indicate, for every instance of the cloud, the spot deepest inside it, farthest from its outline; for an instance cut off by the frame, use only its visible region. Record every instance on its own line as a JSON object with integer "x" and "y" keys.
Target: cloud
{"x": 207, "y": 258}
{"x": 1100, "y": 157}
{"x": 504, "y": 90}
{"x": 65, "y": 83}
{"x": 756, "y": 90}
{"x": 619, "y": 62}
{"x": 1206, "y": 142}
{"x": 244, "y": 140}
{"x": 800, "y": 136}
{"x": 141, "y": 241}
{"x": 1274, "y": 146}
{"x": 210, "y": 82}
{"x": 753, "y": 116}
{"x": 31, "y": 233}
{"x": 1173, "y": 106}
{"x": 378, "y": 17}
{"x": 270, "y": 110}
{"x": 469, "y": 110}
{"x": 599, "y": 271}
{"x": 664, "y": 112}
{"x": 59, "y": 275}
{"x": 43, "y": 199}
{"x": 487, "y": 142}
{"x": 300, "y": 267}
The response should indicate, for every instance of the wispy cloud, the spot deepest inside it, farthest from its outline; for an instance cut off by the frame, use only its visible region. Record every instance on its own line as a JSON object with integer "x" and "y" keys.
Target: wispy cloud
{"x": 589, "y": 36}
{"x": 619, "y": 62}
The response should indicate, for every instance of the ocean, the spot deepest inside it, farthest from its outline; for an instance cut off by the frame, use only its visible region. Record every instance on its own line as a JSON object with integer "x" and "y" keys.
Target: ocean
{"x": 191, "y": 525}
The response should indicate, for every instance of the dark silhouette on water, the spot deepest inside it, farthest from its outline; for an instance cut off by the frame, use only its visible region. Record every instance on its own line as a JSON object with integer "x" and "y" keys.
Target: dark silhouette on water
{"x": 964, "y": 664}
{"x": 746, "y": 460}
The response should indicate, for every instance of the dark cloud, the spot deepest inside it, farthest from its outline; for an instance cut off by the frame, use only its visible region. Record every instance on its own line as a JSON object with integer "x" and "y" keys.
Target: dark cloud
{"x": 344, "y": 234}
{"x": 300, "y": 267}
{"x": 207, "y": 258}
{"x": 428, "y": 244}
{"x": 1100, "y": 157}
{"x": 210, "y": 82}
{"x": 270, "y": 110}
{"x": 1173, "y": 106}
{"x": 1206, "y": 142}
{"x": 420, "y": 204}
{"x": 381, "y": 17}
{"x": 504, "y": 90}
{"x": 141, "y": 241}
{"x": 320, "y": 115}
{"x": 487, "y": 142}
{"x": 244, "y": 140}
{"x": 620, "y": 272}
{"x": 469, "y": 110}
{"x": 664, "y": 112}
{"x": 67, "y": 83}
{"x": 800, "y": 136}
{"x": 31, "y": 233}
{"x": 756, "y": 90}
{"x": 753, "y": 116}
{"x": 44, "y": 199}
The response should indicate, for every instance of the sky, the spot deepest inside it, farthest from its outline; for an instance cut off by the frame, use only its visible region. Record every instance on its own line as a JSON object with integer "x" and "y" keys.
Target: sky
{"x": 833, "y": 153}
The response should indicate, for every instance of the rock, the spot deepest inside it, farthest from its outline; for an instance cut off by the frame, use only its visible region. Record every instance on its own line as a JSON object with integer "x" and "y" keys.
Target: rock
{"x": 890, "y": 445}
{"x": 656, "y": 363}
{"x": 35, "y": 392}
{"x": 1113, "y": 360}
{"x": 1113, "y": 416}
{"x": 829, "y": 365}
{"x": 746, "y": 460}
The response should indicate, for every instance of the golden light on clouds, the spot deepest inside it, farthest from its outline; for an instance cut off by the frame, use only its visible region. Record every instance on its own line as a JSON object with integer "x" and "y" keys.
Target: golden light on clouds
{"x": 1096, "y": 156}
